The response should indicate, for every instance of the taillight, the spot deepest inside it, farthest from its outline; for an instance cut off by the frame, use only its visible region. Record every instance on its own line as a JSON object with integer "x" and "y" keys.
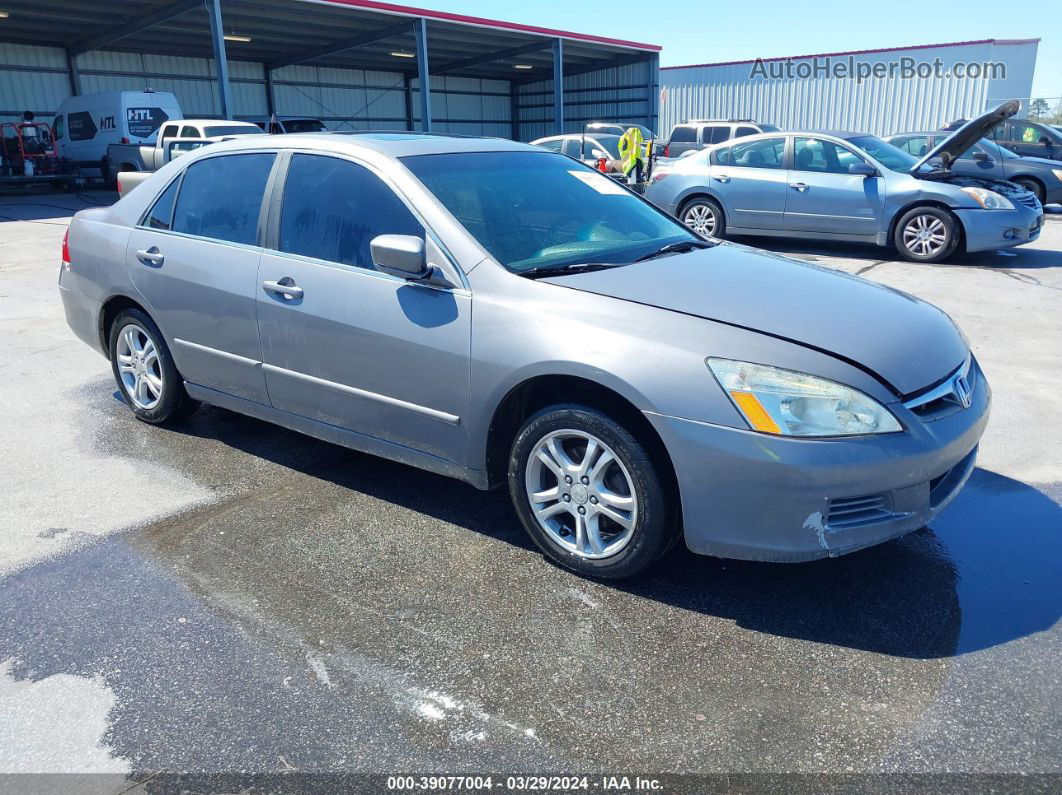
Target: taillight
{"x": 66, "y": 249}
{"x": 118, "y": 186}
{"x": 667, "y": 151}
{"x": 124, "y": 140}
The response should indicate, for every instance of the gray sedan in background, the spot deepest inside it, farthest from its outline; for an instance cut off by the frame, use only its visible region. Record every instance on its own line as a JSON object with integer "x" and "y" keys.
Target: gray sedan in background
{"x": 851, "y": 187}
{"x": 509, "y": 317}
{"x": 986, "y": 158}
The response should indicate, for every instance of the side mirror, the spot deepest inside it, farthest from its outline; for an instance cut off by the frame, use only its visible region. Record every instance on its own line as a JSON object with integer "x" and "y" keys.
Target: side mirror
{"x": 400, "y": 255}
{"x": 863, "y": 169}
{"x": 980, "y": 157}
{"x": 1045, "y": 141}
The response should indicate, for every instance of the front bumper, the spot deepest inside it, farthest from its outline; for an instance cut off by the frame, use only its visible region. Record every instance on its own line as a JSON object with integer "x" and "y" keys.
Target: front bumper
{"x": 988, "y": 230}
{"x": 754, "y": 496}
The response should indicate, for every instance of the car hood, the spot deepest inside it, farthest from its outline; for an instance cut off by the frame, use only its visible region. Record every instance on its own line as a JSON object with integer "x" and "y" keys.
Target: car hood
{"x": 960, "y": 141}
{"x": 901, "y": 340}
{"x": 1009, "y": 189}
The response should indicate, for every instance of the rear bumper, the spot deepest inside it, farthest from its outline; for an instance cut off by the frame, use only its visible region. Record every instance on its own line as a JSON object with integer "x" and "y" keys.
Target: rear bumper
{"x": 82, "y": 315}
{"x": 988, "y": 230}
{"x": 759, "y": 497}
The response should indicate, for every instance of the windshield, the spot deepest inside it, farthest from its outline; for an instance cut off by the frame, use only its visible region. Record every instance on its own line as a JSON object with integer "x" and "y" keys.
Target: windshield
{"x": 888, "y": 155}
{"x": 542, "y": 210}
{"x": 303, "y": 125}
{"x": 609, "y": 142}
{"x": 220, "y": 130}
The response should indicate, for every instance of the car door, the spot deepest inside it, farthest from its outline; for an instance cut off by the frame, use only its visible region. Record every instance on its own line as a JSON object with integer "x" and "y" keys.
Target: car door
{"x": 749, "y": 179}
{"x": 978, "y": 161}
{"x": 712, "y": 134}
{"x": 194, "y": 259}
{"x": 823, "y": 197}
{"x": 345, "y": 344}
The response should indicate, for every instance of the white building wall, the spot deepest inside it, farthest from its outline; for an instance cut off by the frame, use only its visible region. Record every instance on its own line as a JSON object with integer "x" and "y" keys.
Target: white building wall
{"x": 876, "y": 105}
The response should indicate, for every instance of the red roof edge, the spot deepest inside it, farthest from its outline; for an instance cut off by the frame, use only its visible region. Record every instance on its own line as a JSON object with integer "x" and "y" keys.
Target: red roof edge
{"x": 857, "y": 52}
{"x": 446, "y": 16}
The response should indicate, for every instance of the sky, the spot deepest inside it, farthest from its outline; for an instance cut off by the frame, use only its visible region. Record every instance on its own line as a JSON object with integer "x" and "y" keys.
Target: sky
{"x": 701, "y": 32}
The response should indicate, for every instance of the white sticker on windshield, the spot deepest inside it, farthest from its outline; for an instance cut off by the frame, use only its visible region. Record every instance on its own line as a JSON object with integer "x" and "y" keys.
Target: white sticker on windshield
{"x": 599, "y": 182}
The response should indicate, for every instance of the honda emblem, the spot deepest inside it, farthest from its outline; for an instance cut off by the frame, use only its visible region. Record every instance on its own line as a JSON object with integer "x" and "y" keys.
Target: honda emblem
{"x": 962, "y": 391}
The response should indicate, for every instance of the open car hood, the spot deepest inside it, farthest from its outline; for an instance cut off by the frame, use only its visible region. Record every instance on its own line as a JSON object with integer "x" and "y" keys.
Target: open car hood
{"x": 959, "y": 142}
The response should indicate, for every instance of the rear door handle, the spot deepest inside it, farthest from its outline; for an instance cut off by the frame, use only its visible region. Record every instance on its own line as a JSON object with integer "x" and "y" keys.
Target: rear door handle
{"x": 151, "y": 256}
{"x": 800, "y": 186}
{"x": 723, "y": 178}
{"x": 285, "y": 287}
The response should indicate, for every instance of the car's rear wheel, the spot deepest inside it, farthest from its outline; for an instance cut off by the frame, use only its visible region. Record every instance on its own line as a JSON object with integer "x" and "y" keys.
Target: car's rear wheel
{"x": 926, "y": 234}
{"x": 705, "y": 217}
{"x": 1031, "y": 185}
{"x": 589, "y": 493}
{"x": 143, "y": 367}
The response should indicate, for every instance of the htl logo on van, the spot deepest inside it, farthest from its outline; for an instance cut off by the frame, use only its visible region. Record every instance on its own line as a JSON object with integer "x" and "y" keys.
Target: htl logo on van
{"x": 143, "y": 122}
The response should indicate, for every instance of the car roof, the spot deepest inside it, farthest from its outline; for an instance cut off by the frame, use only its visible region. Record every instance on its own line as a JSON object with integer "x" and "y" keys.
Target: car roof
{"x": 387, "y": 142}
{"x": 571, "y": 136}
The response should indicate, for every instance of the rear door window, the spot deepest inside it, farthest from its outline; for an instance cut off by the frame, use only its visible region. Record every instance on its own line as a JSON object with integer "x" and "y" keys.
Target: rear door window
{"x": 765, "y": 153}
{"x": 332, "y": 209}
{"x": 715, "y": 133}
{"x": 221, "y": 197}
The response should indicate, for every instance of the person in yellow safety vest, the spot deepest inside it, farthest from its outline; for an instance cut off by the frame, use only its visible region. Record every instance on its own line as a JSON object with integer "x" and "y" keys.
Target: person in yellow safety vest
{"x": 632, "y": 153}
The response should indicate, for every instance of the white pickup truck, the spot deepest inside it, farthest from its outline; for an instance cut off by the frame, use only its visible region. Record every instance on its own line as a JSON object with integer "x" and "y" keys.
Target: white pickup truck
{"x": 175, "y": 138}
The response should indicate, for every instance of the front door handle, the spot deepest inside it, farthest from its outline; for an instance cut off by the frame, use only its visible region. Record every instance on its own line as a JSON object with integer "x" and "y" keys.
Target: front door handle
{"x": 723, "y": 178}
{"x": 151, "y": 256}
{"x": 285, "y": 287}
{"x": 800, "y": 186}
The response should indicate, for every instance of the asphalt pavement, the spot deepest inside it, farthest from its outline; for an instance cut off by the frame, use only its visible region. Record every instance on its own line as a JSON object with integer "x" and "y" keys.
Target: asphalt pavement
{"x": 227, "y": 596}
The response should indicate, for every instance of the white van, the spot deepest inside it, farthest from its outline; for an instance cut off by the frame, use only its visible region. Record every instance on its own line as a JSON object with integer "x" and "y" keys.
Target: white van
{"x": 85, "y": 125}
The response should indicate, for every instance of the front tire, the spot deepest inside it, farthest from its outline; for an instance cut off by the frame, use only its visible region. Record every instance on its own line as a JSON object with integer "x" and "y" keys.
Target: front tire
{"x": 144, "y": 370}
{"x": 926, "y": 234}
{"x": 589, "y": 493}
{"x": 705, "y": 217}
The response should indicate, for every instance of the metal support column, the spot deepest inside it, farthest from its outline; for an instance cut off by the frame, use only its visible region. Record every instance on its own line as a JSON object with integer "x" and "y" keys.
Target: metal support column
{"x": 408, "y": 82}
{"x": 420, "y": 29}
{"x": 653, "y": 87}
{"x": 221, "y": 63}
{"x": 271, "y": 103}
{"x": 74, "y": 72}
{"x": 558, "y": 86}
{"x": 514, "y": 110}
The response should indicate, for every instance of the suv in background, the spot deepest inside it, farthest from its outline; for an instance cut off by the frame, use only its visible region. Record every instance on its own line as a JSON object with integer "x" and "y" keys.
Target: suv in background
{"x": 699, "y": 133}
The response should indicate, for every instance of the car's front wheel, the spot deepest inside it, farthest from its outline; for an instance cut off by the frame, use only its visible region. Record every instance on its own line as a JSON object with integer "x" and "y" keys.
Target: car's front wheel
{"x": 705, "y": 217}
{"x": 926, "y": 234}
{"x": 589, "y": 493}
{"x": 144, "y": 369}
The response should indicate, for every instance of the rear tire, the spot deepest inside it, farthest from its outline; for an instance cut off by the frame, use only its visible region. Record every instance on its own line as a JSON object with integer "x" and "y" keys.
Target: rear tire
{"x": 926, "y": 234}
{"x": 589, "y": 493}
{"x": 1034, "y": 187}
{"x": 705, "y": 217}
{"x": 144, "y": 370}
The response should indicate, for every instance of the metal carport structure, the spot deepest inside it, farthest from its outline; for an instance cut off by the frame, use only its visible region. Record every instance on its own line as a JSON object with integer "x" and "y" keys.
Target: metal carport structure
{"x": 351, "y": 62}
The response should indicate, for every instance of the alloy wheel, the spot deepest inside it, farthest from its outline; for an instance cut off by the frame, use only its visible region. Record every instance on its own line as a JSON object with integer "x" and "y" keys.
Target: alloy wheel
{"x": 701, "y": 219}
{"x": 139, "y": 366}
{"x": 925, "y": 235}
{"x": 581, "y": 494}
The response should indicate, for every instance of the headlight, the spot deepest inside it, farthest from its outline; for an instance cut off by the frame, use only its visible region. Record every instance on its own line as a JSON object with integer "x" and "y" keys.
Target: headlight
{"x": 1058, "y": 173}
{"x": 989, "y": 199}
{"x": 788, "y": 403}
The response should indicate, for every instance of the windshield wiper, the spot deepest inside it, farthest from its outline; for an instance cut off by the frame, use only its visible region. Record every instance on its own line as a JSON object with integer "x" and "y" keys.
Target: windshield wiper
{"x": 681, "y": 246}
{"x": 565, "y": 270}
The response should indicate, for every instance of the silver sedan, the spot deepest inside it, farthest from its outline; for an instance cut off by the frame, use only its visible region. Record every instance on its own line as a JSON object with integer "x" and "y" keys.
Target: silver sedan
{"x": 509, "y": 317}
